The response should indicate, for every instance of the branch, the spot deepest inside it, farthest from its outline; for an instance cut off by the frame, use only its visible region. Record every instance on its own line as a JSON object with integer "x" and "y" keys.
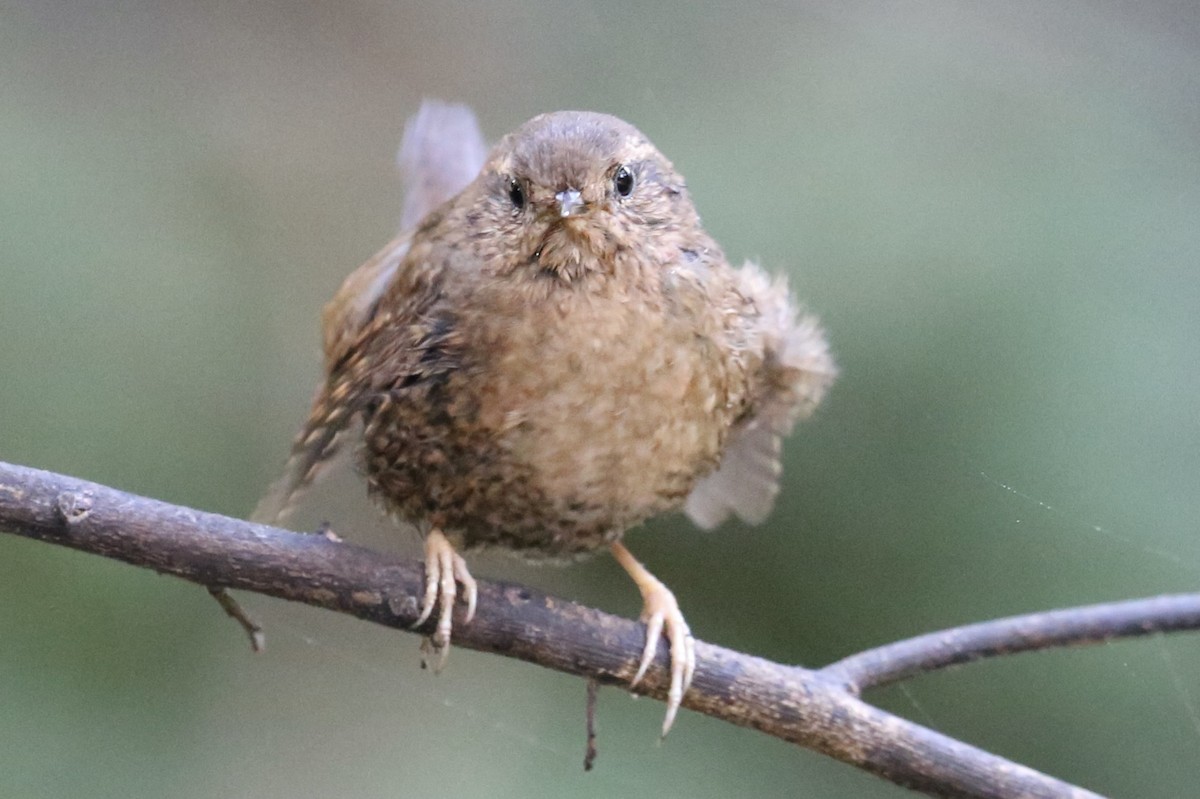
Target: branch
{"x": 1091, "y": 624}
{"x": 816, "y": 709}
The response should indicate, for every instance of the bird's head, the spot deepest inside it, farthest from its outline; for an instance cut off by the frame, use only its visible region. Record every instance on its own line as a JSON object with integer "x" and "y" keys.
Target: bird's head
{"x": 570, "y": 193}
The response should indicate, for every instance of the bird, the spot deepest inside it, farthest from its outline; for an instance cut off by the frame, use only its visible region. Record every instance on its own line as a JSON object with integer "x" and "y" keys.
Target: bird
{"x": 552, "y": 352}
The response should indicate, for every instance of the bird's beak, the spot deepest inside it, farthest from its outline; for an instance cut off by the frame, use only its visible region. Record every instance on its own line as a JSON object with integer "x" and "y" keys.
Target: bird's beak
{"x": 570, "y": 202}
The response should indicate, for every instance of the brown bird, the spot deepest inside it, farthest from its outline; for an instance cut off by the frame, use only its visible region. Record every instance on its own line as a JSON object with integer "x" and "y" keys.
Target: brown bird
{"x": 556, "y": 352}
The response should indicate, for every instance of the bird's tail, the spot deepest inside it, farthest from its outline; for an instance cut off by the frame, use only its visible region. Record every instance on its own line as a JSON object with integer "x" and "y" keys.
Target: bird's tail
{"x": 442, "y": 151}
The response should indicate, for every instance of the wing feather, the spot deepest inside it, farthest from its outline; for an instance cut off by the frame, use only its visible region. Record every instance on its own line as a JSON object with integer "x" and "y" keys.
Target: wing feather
{"x": 440, "y": 154}
{"x": 797, "y": 369}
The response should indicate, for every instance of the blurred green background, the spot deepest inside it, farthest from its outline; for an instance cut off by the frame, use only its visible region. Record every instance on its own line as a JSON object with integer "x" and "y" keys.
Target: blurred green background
{"x": 995, "y": 208}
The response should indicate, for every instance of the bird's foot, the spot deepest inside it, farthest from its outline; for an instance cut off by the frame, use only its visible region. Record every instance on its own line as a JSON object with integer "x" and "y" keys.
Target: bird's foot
{"x": 660, "y": 612}
{"x": 444, "y": 569}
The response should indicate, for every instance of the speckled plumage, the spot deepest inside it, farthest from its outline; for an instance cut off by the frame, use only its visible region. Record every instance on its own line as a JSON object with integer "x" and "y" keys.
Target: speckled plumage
{"x": 543, "y": 375}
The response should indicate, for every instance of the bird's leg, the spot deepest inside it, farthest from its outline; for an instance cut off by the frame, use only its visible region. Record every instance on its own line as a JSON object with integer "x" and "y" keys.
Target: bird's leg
{"x": 444, "y": 568}
{"x": 660, "y": 611}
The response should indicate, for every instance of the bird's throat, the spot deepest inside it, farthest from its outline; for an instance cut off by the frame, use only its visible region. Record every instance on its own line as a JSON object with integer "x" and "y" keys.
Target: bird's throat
{"x": 572, "y": 249}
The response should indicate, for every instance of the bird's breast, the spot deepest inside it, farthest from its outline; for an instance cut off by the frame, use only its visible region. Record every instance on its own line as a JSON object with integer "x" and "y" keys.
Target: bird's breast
{"x": 613, "y": 402}
{"x": 552, "y": 418}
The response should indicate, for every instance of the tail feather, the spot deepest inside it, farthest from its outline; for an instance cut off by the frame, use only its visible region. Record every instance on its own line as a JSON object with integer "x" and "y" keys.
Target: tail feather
{"x": 442, "y": 151}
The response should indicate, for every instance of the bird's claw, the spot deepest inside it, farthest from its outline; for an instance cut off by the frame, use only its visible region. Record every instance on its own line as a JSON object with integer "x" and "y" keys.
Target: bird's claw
{"x": 661, "y": 613}
{"x": 444, "y": 570}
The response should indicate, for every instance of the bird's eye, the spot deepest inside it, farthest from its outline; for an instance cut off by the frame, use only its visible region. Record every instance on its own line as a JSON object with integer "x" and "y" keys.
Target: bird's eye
{"x": 516, "y": 193}
{"x": 623, "y": 181}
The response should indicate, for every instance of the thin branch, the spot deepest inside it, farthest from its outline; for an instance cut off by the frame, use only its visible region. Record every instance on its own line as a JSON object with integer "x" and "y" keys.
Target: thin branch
{"x": 258, "y": 641}
{"x": 799, "y": 705}
{"x": 589, "y": 755}
{"x": 1090, "y": 624}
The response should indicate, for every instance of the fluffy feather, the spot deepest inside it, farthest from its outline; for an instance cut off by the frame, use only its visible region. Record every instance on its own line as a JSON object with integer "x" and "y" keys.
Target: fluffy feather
{"x": 797, "y": 370}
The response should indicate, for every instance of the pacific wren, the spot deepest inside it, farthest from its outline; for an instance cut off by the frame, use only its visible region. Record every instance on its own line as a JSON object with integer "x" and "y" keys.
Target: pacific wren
{"x": 556, "y": 352}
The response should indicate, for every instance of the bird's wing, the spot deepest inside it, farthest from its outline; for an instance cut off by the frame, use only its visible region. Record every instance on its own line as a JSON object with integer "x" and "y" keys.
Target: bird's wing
{"x": 318, "y": 442}
{"x": 797, "y": 369}
{"x": 351, "y": 322}
{"x": 442, "y": 151}
{"x": 440, "y": 154}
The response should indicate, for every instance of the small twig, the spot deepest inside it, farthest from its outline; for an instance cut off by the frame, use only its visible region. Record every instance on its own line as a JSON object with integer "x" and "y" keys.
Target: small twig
{"x": 589, "y": 755}
{"x": 258, "y": 641}
{"x": 816, "y": 709}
